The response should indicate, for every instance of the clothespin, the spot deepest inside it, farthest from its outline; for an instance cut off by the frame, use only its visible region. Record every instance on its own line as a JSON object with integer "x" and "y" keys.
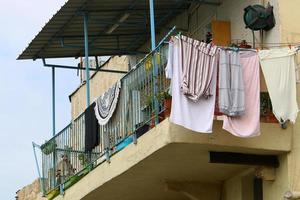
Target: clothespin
{"x": 257, "y": 49}
{"x": 290, "y": 46}
{"x": 172, "y": 39}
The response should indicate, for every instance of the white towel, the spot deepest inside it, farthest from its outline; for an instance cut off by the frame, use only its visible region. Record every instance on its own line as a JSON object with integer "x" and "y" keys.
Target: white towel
{"x": 278, "y": 66}
{"x": 197, "y": 116}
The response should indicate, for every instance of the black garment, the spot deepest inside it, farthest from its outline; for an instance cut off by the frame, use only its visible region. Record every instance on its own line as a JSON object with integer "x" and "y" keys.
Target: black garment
{"x": 91, "y": 129}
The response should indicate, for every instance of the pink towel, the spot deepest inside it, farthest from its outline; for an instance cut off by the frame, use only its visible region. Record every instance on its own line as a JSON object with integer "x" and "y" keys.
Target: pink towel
{"x": 247, "y": 125}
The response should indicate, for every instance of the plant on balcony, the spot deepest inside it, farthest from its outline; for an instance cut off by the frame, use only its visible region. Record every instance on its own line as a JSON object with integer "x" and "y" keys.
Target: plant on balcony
{"x": 49, "y": 147}
{"x": 84, "y": 160}
{"x": 149, "y": 61}
{"x": 266, "y": 108}
{"x": 150, "y": 107}
{"x": 166, "y": 99}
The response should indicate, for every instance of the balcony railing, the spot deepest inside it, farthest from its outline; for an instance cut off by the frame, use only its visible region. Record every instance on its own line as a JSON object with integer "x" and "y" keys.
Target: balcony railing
{"x": 64, "y": 160}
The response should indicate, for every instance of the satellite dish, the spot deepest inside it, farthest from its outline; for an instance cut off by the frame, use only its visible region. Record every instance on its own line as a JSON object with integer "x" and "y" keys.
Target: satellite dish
{"x": 257, "y": 17}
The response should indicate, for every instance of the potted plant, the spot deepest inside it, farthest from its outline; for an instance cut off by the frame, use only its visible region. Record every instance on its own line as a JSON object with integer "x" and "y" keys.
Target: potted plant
{"x": 150, "y": 109}
{"x": 266, "y": 109}
{"x": 150, "y": 59}
{"x": 83, "y": 159}
{"x": 166, "y": 100}
{"x": 49, "y": 147}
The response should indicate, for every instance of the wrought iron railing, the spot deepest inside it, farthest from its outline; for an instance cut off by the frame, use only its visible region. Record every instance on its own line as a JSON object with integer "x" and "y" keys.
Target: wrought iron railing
{"x": 64, "y": 156}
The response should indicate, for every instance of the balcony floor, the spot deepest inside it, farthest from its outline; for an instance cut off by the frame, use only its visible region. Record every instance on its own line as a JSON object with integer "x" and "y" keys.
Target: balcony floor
{"x": 171, "y": 154}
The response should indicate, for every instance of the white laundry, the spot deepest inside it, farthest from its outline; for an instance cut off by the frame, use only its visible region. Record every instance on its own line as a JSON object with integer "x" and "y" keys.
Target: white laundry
{"x": 197, "y": 116}
{"x": 278, "y": 66}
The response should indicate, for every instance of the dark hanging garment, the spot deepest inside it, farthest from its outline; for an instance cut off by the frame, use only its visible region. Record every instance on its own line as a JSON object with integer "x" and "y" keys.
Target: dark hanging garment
{"x": 91, "y": 128}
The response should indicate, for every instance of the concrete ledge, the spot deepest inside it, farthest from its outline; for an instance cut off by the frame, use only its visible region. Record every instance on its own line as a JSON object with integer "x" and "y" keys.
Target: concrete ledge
{"x": 273, "y": 139}
{"x": 169, "y": 145}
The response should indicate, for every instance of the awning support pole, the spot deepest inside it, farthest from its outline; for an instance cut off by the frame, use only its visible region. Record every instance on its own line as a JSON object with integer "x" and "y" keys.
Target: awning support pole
{"x": 155, "y": 69}
{"x": 86, "y": 52}
{"x": 53, "y": 102}
{"x": 152, "y": 21}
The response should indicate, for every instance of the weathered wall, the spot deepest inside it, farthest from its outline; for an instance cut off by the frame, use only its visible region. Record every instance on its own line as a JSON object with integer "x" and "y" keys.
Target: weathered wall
{"x": 289, "y": 20}
{"x": 99, "y": 83}
{"x": 239, "y": 187}
{"x": 288, "y": 175}
{"x": 197, "y": 18}
{"x": 30, "y": 192}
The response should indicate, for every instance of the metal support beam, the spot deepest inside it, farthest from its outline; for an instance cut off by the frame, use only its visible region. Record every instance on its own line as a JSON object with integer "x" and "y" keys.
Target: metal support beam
{"x": 86, "y": 52}
{"x": 121, "y": 51}
{"x": 155, "y": 68}
{"x": 53, "y": 102}
{"x": 82, "y": 68}
{"x": 103, "y": 35}
{"x": 133, "y": 10}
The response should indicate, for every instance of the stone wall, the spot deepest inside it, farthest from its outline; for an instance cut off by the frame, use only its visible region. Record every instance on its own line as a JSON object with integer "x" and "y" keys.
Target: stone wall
{"x": 30, "y": 192}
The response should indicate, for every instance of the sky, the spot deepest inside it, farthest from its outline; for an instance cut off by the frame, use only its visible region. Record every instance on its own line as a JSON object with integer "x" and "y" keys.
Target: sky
{"x": 25, "y": 92}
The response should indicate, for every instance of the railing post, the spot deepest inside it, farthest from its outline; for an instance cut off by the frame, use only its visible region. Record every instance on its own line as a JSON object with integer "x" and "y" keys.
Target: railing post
{"x": 62, "y": 188}
{"x": 106, "y": 146}
{"x": 107, "y": 158}
{"x": 155, "y": 68}
{"x": 86, "y": 52}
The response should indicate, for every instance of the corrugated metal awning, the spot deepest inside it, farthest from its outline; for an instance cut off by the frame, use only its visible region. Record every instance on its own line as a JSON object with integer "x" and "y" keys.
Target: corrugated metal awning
{"x": 116, "y": 27}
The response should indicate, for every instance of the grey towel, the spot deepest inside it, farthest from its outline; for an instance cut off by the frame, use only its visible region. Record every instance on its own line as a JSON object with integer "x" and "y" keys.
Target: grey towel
{"x": 231, "y": 84}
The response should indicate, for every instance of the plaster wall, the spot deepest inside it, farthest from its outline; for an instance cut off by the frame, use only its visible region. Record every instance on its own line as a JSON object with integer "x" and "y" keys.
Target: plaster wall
{"x": 194, "y": 22}
{"x": 99, "y": 83}
{"x": 288, "y": 174}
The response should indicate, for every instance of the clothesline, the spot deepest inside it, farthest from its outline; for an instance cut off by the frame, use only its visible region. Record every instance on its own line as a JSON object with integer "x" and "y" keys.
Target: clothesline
{"x": 233, "y": 82}
{"x": 237, "y": 49}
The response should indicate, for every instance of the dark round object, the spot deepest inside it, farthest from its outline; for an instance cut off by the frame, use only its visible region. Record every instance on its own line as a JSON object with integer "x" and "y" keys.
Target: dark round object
{"x": 257, "y": 17}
